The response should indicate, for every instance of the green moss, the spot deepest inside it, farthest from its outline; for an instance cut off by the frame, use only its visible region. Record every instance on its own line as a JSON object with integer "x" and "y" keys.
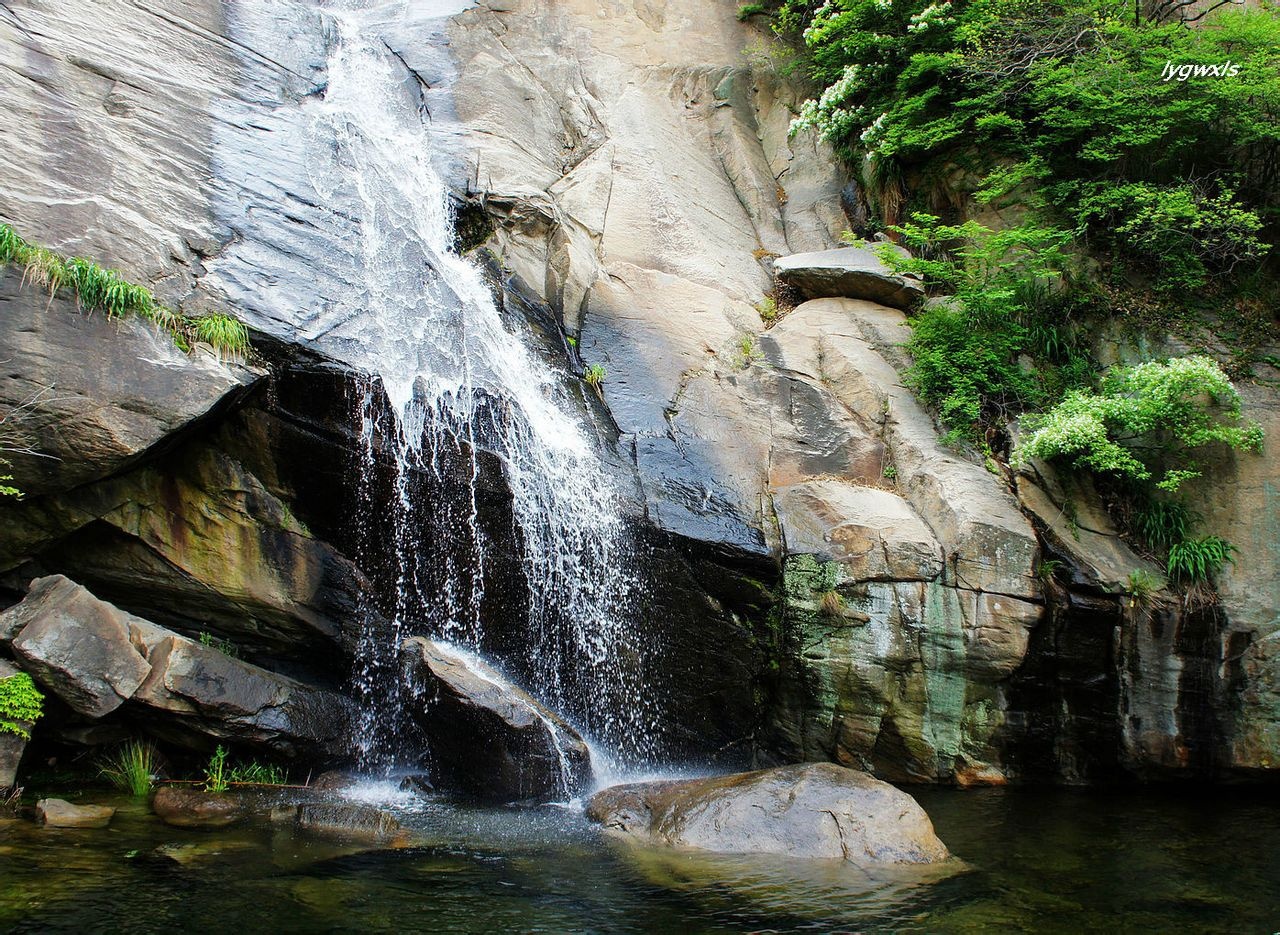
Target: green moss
{"x": 20, "y": 704}
{"x": 100, "y": 289}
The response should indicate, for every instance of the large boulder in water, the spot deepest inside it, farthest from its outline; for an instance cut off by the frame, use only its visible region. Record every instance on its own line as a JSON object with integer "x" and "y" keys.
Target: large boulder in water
{"x": 488, "y": 737}
{"x": 811, "y": 810}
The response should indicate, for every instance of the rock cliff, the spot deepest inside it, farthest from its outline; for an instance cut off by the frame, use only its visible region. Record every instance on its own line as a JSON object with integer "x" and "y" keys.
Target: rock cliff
{"x": 829, "y": 581}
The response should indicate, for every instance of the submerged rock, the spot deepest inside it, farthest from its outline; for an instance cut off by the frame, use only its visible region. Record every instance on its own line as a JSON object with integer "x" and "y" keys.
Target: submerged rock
{"x": 850, "y": 273}
{"x": 352, "y": 820}
{"x": 811, "y": 810}
{"x": 59, "y": 813}
{"x": 488, "y": 737}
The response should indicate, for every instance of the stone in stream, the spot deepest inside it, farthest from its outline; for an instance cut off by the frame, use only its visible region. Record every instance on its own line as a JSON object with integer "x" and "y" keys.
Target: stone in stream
{"x": 810, "y": 810}
{"x": 59, "y": 813}
{"x": 489, "y": 738}
{"x": 353, "y": 821}
{"x": 195, "y": 808}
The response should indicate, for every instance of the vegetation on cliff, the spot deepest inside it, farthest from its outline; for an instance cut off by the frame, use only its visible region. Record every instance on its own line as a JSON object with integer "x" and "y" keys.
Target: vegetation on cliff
{"x": 100, "y": 289}
{"x": 21, "y": 705}
{"x": 1130, "y": 156}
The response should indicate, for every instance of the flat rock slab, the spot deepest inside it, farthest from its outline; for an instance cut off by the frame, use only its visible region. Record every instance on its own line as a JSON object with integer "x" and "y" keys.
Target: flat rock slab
{"x": 816, "y": 810}
{"x": 59, "y": 813}
{"x": 850, "y": 273}
{"x": 490, "y": 738}
{"x": 353, "y": 821}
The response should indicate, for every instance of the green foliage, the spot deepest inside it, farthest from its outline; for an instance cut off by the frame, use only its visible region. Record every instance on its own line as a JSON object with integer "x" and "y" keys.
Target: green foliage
{"x": 989, "y": 352}
{"x": 1144, "y": 422}
{"x": 99, "y": 289}
{"x": 1141, "y": 586}
{"x": 223, "y": 333}
{"x": 1197, "y": 560}
{"x": 1162, "y": 523}
{"x": 594, "y": 376}
{"x": 21, "y": 703}
{"x": 890, "y": 472}
{"x": 133, "y": 767}
{"x": 260, "y": 774}
{"x": 1067, "y": 105}
{"x": 748, "y": 10}
{"x": 216, "y": 774}
{"x": 748, "y": 350}
{"x": 226, "y": 647}
{"x": 768, "y": 309}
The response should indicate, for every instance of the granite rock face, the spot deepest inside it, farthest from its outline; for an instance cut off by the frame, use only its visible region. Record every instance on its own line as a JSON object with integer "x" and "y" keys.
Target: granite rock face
{"x": 849, "y": 273}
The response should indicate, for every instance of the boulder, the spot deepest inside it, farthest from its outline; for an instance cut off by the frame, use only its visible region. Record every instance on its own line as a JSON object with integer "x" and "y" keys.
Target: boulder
{"x": 817, "y": 810}
{"x": 488, "y": 737}
{"x": 59, "y": 813}
{"x": 188, "y": 807}
{"x": 849, "y": 273}
{"x": 95, "y": 657}
{"x": 75, "y": 645}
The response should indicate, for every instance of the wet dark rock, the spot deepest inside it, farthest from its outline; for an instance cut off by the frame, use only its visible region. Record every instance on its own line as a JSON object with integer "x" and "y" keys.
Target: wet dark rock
{"x": 187, "y": 807}
{"x": 59, "y": 813}
{"x": 352, "y": 821}
{"x": 811, "y": 810}
{"x": 489, "y": 738}
{"x": 848, "y": 272}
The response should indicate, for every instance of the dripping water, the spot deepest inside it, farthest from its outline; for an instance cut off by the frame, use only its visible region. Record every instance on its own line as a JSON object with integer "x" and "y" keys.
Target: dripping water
{"x": 462, "y": 385}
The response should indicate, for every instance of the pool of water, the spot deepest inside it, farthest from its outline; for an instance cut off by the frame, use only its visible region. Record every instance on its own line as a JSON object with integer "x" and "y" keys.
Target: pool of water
{"x": 1037, "y": 861}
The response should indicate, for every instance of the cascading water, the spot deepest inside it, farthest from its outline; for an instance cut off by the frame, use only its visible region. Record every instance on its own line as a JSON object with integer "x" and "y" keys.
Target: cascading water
{"x": 423, "y": 323}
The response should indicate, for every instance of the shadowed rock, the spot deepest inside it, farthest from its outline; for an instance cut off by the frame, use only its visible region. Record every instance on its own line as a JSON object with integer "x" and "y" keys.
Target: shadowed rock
{"x": 488, "y": 737}
{"x": 353, "y": 821}
{"x": 810, "y": 810}
{"x": 195, "y": 808}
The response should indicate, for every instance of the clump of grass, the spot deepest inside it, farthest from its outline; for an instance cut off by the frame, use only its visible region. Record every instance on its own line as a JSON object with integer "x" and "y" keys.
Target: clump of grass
{"x": 1196, "y": 560}
{"x": 768, "y": 309}
{"x": 258, "y": 774}
{"x": 132, "y": 768}
{"x": 226, "y": 647}
{"x": 1163, "y": 523}
{"x": 832, "y": 604}
{"x": 748, "y": 350}
{"x": 221, "y": 332}
{"x": 216, "y": 775}
{"x": 1141, "y": 586}
{"x": 100, "y": 289}
{"x": 748, "y": 10}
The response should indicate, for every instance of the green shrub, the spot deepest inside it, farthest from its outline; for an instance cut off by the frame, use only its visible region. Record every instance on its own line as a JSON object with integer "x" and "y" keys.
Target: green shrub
{"x": 1162, "y": 523}
{"x": 223, "y": 333}
{"x": 1141, "y": 586}
{"x": 1199, "y": 560}
{"x": 132, "y": 768}
{"x": 1145, "y": 421}
{"x": 594, "y": 376}
{"x": 21, "y": 703}
{"x": 748, "y": 10}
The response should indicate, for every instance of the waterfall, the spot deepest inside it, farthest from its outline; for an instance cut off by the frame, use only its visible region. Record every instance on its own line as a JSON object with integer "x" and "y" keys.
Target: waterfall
{"x": 422, "y": 322}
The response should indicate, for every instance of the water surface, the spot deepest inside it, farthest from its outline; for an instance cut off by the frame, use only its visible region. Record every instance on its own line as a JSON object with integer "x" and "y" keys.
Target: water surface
{"x": 1040, "y": 861}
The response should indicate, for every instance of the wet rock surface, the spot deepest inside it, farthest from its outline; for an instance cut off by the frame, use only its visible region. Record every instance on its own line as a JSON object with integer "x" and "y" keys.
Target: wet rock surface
{"x": 816, "y": 810}
{"x": 488, "y": 737}
{"x": 189, "y": 807}
{"x": 59, "y": 813}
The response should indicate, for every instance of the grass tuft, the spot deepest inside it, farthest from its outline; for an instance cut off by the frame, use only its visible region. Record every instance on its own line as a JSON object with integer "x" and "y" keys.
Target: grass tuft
{"x": 97, "y": 288}
{"x": 132, "y": 768}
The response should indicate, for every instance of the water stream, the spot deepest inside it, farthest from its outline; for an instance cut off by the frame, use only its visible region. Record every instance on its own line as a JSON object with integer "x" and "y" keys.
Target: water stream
{"x": 460, "y": 382}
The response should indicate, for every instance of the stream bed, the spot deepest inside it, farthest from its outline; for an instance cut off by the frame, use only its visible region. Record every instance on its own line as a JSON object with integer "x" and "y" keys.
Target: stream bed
{"x": 1038, "y": 861}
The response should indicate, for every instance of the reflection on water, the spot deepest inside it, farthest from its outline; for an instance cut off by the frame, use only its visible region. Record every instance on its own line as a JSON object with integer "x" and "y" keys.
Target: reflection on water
{"x": 1054, "y": 861}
